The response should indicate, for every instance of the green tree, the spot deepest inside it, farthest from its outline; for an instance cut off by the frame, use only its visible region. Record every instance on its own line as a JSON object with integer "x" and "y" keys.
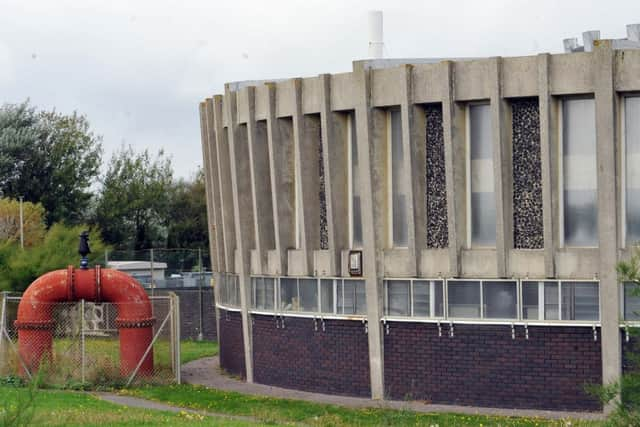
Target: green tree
{"x": 187, "y": 220}
{"x": 32, "y": 222}
{"x": 133, "y": 206}
{"x": 18, "y": 268}
{"x": 49, "y": 158}
{"x": 625, "y": 393}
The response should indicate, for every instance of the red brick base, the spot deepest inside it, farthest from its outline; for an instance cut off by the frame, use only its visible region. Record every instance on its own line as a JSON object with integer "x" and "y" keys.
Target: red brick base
{"x": 231, "y": 343}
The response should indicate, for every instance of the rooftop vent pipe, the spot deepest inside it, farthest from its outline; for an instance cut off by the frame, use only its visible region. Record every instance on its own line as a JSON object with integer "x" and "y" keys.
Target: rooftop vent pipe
{"x": 376, "y": 43}
{"x": 570, "y": 45}
{"x": 633, "y": 32}
{"x": 588, "y": 37}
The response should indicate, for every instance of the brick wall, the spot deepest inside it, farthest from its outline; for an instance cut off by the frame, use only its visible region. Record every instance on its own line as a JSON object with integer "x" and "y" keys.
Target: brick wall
{"x": 231, "y": 343}
{"x": 190, "y": 312}
{"x": 334, "y": 361}
{"x": 482, "y": 365}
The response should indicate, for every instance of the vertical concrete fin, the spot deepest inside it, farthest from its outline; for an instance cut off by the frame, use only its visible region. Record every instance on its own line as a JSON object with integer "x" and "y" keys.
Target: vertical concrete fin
{"x": 454, "y": 159}
{"x": 224, "y": 180}
{"x": 414, "y": 160}
{"x": 243, "y": 216}
{"x": 548, "y": 148}
{"x": 260, "y": 183}
{"x": 371, "y": 255}
{"x": 212, "y": 187}
{"x": 502, "y": 168}
{"x": 204, "y": 138}
{"x": 334, "y": 148}
{"x": 280, "y": 147}
{"x": 607, "y": 142}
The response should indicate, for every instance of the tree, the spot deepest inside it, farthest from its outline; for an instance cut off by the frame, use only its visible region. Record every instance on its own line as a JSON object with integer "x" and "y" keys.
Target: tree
{"x": 133, "y": 205}
{"x": 187, "y": 219}
{"x": 48, "y": 158}
{"x": 18, "y": 268}
{"x": 625, "y": 393}
{"x": 33, "y": 222}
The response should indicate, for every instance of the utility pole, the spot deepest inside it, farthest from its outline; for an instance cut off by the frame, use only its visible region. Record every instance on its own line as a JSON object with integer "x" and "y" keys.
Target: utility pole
{"x": 21, "y": 224}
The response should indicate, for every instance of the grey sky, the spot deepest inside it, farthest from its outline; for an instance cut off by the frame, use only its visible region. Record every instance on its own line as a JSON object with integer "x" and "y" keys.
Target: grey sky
{"x": 138, "y": 68}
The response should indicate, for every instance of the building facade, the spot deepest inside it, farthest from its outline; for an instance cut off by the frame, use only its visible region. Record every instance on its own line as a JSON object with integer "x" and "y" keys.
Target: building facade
{"x": 487, "y": 202}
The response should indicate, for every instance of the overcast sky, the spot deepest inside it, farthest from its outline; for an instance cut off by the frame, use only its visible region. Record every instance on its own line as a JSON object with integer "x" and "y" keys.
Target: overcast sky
{"x": 138, "y": 68}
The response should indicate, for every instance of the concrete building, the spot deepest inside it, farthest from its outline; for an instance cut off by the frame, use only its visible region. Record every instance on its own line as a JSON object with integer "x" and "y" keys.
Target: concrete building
{"x": 487, "y": 202}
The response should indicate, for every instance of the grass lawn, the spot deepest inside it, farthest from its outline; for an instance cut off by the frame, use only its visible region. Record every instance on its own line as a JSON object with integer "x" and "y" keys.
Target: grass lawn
{"x": 288, "y": 411}
{"x": 67, "y": 408}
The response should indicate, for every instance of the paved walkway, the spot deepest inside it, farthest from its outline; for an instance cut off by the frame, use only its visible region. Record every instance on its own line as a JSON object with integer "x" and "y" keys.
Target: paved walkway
{"x": 135, "y": 402}
{"x": 207, "y": 372}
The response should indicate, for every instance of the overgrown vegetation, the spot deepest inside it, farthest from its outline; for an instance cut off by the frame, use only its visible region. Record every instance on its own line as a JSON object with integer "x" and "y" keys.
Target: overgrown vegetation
{"x": 58, "y": 249}
{"x": 625, "y": 394}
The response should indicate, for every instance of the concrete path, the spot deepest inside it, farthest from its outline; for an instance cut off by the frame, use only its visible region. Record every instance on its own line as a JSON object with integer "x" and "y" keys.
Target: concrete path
{"x": 207, "y": 372}
{"x": 135, "y": 402}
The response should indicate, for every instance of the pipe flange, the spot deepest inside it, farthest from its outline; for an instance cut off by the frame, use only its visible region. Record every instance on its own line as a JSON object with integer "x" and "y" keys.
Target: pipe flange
{"x": 135, "y": 323}
{"x": 34, "y": 324}
{"x": 97, "y": 287}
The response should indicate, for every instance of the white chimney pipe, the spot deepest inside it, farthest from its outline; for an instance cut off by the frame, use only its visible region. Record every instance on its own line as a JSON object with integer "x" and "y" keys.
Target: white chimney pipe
{"x": 570, "y": 44}
{"x": 633, "y": 32}
{"x": 588, "y": 37}
{"x": 376, "y": 43}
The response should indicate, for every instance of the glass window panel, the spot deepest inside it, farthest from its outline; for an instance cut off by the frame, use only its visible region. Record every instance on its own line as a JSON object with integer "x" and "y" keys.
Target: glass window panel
{"x": 269, "y": 288}
{"x": 346, "y": 297}
{"x": 579, "y": 172}
{"x": 257, "y": 292}
{"x": 326, "y": 291}
{"x": 356, "y": 218}
{"x": 438, "y": 301}
{"x": 398, "y": 298}
{"x": 308, "y": 294}
{"x": 500, "y": 300}
{"x": 464, "y": 299}
{"x": 551, "y": 305}
{"x": 530, "y": 303}
{"x": 422, "y": 298}
{"x": 399, "y": 184}
{"x": 483, "y": 202}
{"x": 361, "y": 297}
{"x": 631, "y": 301}
{"x": 580, "y": 301}
{"x": 632, "y": 171}
{"x": 289, "y": 300}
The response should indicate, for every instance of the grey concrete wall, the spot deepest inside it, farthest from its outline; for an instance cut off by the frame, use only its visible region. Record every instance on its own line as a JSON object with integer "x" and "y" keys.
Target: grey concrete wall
{"x": 295, "y": 110}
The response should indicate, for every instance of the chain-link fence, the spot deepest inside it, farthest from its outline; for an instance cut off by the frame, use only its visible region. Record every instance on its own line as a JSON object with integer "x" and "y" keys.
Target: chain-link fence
{"x": 162, "y": 267}
{"x": 79, "y": 344}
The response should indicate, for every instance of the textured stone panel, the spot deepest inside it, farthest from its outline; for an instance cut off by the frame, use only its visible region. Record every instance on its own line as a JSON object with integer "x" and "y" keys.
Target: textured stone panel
{"x": 527, "y": 175}
{"x": 481, "y": 365}
{"x": 232, "y": 343}
{"x": 324, "y": 231}
{"x": 302, "y": 356}
{"x": 436, "y": 187}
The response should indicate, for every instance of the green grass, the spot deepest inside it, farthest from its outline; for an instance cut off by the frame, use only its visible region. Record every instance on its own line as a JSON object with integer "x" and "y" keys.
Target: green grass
{"x": 67, "y": 408}
{"x": 287, "y": 411}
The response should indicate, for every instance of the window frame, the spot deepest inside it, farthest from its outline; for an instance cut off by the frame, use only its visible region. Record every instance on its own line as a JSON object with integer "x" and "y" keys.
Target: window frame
{"x": 541, "y": 300}
{"x": 623, "y": 166}
{"x": 432, "y": 299}
{"x": 467, "y": 148}
{"x": 389, "y": 178}
{"x": 561, "y": 178}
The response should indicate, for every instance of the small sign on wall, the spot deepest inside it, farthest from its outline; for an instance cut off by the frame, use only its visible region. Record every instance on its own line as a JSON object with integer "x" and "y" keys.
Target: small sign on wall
{"x": 355, "y": 263}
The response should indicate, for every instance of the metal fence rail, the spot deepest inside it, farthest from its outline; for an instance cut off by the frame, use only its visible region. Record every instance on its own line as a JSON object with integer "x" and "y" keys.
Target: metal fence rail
{"x": 85, "y": 348}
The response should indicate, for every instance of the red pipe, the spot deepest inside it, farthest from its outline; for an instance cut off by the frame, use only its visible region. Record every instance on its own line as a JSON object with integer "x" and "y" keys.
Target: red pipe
{"x": 134, "y": 322}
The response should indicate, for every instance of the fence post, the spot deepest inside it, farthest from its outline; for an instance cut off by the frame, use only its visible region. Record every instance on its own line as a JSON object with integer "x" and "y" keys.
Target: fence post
{"x": 200, "y": 334}
{"x": 176, "y": 313}
{"x": 3, "y": 321}
{"x": 82, "y": 343}
{"x": 153, "y": 282}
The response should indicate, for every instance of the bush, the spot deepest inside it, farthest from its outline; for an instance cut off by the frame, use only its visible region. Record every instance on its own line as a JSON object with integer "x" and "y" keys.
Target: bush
{"x": 18, "y": 268}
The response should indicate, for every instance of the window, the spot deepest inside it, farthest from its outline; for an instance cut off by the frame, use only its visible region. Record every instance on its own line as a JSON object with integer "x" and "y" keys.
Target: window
{"x": 289, "y": 300}
{"x": 499, "y": 299}
{"x": 308, "y": 291}
{"x": 414, "y": 297}
{"x": 481, "y": 200}
{"x": 327, "y": 296}
{"x": 631, "y": 301}
{"x": 351, "y": 297}
{"x": 355, "y": 216}
{"x": 398, "y": 181}
{"x": 579, "y": 173}
{"x": 632, "y": 172}
{"x": 263, "y": 293}
{"x": 551, "y": 300}
{"x": 229, "y": 290}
